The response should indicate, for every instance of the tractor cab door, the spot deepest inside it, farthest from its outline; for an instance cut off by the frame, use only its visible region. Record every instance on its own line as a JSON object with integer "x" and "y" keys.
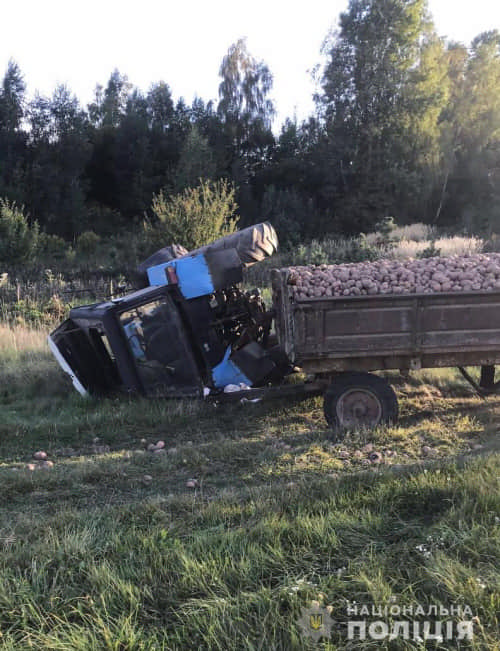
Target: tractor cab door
{"x": 160, "y": 348}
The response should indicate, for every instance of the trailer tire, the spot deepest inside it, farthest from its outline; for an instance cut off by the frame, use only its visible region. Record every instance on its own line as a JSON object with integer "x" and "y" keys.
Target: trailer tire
{"x": 357, "y": 399}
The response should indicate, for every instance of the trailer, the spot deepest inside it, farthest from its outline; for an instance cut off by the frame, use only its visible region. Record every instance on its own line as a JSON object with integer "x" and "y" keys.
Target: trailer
{"x": 344, "y": 339}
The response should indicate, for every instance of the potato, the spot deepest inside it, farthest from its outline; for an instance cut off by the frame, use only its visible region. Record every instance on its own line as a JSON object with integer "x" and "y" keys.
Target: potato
{"x": 477, "y": 272}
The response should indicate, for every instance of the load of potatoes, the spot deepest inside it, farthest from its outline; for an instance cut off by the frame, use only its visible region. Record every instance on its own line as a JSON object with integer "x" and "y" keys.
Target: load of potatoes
{"x": 478, "y": 272}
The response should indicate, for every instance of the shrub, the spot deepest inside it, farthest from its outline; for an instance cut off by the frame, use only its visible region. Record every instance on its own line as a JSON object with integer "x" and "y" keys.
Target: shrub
{"x": 18, "y": 240}
{"x": 430, "y": 252}
{"x": 52, "y": 248}
{"x": 336, "y": 251}
{"x": 195, "y": 216}
{"x": 86, "y": 243}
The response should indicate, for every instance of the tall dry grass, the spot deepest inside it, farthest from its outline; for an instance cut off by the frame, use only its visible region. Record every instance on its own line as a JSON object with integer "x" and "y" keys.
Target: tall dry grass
{"x": 446, "y": 246}
{"x": 21, "y": 340}
{"x": 26, "y": 361}
{"x": 417, "y": 232}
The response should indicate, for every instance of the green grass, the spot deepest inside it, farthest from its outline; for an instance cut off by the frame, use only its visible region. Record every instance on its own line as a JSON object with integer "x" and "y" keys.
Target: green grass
{"x": 110, "y": 549}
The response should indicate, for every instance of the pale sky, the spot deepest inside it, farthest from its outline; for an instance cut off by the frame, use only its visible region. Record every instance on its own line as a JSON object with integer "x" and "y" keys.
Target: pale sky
{"x": 183, "y": 42}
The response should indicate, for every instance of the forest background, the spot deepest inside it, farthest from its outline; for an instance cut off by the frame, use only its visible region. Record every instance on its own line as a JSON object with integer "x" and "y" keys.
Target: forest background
{"x": 406, "y": 128}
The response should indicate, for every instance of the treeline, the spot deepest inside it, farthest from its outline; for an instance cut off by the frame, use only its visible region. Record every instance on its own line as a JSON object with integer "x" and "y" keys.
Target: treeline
{"x": 407, "y": 125}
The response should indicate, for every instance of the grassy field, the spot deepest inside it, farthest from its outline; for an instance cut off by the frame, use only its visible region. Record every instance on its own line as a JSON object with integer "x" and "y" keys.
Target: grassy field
{"x": 249, "y": 516}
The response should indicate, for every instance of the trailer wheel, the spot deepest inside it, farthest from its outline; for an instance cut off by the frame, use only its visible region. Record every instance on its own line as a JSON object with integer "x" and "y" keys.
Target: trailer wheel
{"x": 359, "y": 400}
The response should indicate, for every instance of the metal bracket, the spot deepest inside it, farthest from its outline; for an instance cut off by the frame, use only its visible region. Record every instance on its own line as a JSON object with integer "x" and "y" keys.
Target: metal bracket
{"x": 480, "y": 392}
{"x": 415, "y": 364}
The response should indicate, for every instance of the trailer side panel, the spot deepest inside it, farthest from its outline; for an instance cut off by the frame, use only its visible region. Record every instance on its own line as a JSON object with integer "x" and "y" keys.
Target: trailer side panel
{"x": 384, "y": 332}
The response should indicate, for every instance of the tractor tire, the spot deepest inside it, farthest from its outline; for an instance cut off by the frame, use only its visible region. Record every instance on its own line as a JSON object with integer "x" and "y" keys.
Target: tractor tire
{"x": 253, "y": 244}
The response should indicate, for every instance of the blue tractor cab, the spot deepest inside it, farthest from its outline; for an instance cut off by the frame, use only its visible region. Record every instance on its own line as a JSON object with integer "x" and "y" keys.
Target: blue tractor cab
{"x": 189, "y": 329}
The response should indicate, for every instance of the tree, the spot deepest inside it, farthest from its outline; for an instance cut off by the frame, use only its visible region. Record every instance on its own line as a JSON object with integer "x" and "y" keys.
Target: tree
{"x": 196, "y": 216}
{"x": 208, "y": 122}
{"x": 380, "y": 103}
{"x": 196, "y": 160}
{"x": 67, "y": 116}
{"x": 243, "y": 92}
{"x": 244, "y": 106}
{"x": 246, "y": 113}
{"x": 120, "y": 151}
{"x": 420, "y": 154}
{"x": 293, "y": 215}
{"x": 69, "y": 155}
{"x": 12, "y": 98}
{"x": 109, "y": 105}
{"x": 160, "y": 106}
{"x": 471, "y": 134}
{"x": 12, "y": 137}
{"x": 58, "y": 153}
{"x": 39, "y": 119}
{"x": 133, "y": 166}
{"x": 479, "y": 110}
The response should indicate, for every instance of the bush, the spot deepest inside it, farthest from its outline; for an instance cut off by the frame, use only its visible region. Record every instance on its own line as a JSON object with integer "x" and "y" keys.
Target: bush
{"x": 52, "y": 249}
{"x": 336, "y": 251}
{"x": 430, "y": 252}
{"x": 194, "y": 217}
{"x": 86, "y": 243}
{"x": 18, "y": 240}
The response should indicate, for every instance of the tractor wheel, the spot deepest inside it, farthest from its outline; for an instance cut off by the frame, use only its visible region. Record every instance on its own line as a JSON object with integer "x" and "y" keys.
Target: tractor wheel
{"x": 253, "y": 244}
